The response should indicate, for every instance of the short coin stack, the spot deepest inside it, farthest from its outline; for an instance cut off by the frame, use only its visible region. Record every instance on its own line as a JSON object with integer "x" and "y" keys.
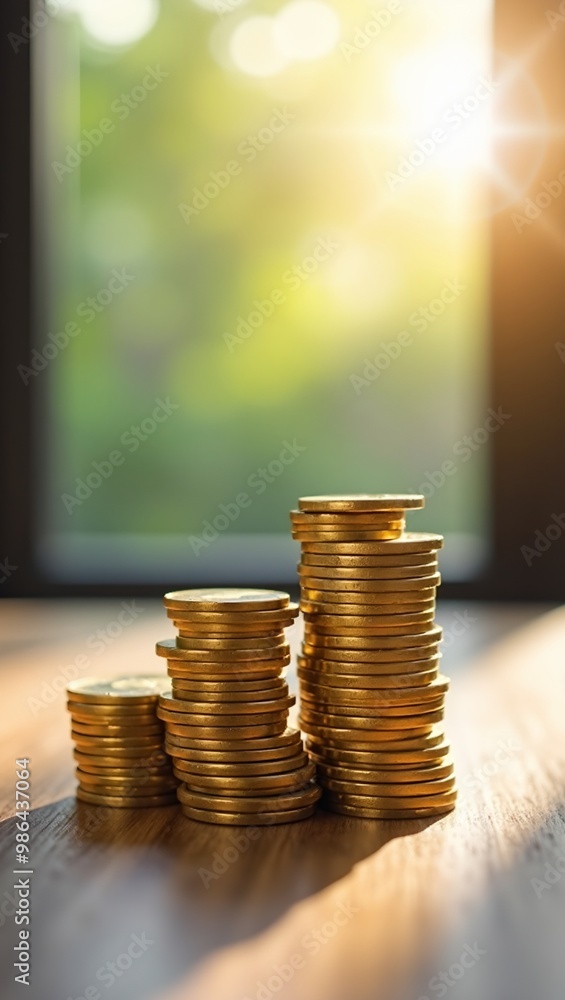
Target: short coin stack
{"x": 372, "y": 698}
{"x": 119, "y": 742}
{"x": 226, "y": 718}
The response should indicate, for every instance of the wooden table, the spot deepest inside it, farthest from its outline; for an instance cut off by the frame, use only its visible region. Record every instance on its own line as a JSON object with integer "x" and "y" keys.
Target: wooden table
{"x": 467, "y": 906}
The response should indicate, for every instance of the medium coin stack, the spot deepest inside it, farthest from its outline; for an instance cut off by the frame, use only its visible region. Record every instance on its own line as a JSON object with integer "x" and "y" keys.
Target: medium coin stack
{"x": 226, "y": 718}
{"x": 119, "y": 742}
{"x": 372, "y": 697}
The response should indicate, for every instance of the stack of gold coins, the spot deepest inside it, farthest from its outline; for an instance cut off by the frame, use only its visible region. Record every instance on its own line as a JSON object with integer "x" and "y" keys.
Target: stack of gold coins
{"x": 119, "y": 742}
{"x": 372, "y": 697}
{"x": 226, "y": 717}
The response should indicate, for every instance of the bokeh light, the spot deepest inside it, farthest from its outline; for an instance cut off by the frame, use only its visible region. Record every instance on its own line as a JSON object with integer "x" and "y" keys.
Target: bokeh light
{"x": 117, "y": 22}
{"x": 254, "y": 47}
{"x": 306, "y": 29}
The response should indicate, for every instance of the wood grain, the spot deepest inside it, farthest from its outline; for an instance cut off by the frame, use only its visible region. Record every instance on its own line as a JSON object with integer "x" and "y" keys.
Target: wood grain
{"x": 326, "y": 909}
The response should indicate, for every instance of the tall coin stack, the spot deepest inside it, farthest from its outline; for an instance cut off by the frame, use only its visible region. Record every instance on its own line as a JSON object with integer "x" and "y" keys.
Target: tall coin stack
{"x": 372, "y": 697}
{"x": 226, "y": 718}
{"x": 119, "y": 742}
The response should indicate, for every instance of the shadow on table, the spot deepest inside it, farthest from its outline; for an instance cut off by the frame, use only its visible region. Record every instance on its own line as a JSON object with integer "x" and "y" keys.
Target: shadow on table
{"x": 102, "y": 877}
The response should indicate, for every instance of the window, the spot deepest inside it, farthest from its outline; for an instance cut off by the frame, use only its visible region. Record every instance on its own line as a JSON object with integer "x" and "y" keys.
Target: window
{"x": 262, "y": 245}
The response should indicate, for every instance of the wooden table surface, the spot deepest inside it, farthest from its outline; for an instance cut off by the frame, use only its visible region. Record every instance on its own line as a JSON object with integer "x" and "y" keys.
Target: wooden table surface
{"x": 466, "y": 906}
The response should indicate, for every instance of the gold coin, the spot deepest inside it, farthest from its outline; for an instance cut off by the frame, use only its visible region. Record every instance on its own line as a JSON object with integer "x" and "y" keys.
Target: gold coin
{"x": 317, "y": 636}
{"x": 327, "y": 608}
{"x": 249, "y": 647}
{"x": 362, "y": 501}
{"x": 245, "y": 819}
{"x": 371, "y": 661}
{"x": 345, "y": 518}
{"x": 121, "y": 741}
{"x": 250, "y": 784}
{"x": 368, "y": 615}
{"x": 366, "y": 622}
{"x": 440, "y": 786}
{"x": 389, "y": 775}
{"x": 134, "y": 769}
{"x": 372, "y": 610}
{"x": 242, "y": 688}
{"x": 324, "y": 536}
{"x": 269, "y": 670}
{"x": 381, "y": 718}
{"x": 219, "y": 696}
{"x": 117, "y": 732}
{"x": 228, "y": 598}
{"x": 126, "y": 801}
{"x": 350, "y": 599}
{"x": 415, "y": 583}
{"x": 230, "y": 751}
{"x": 169, "y": 649}
{"x": 221, "y": 719}
{"x": 395, "y": 760}
{"x": 192, "y": 708}
{"x": 193, "y": 636}
{"x": 140, "y": 713}
{"x": 250, "y": 804}
{"x": 127, "y": 754}
{"x": 231, "y": 732}
{"x": 385, "y": 696}
{"x": 135, "y": 689}
{"x": 409, "y": 543}
{"x": 236, "y": 617}
{"x": 399, "y": 748}
{"x": 347, "y": 573}
{"x": 240, "y": 769}
{"x": 124, "y": 785}
{"x": 129, "y": 722}
{"x": 380, "y": 564}
{"x": 313, "y": 638}
{"x": 358, "y": 739}
{"x": 342, "y": 683}
{"x": 362, "y": 813}
{"x": 393, "y": 801}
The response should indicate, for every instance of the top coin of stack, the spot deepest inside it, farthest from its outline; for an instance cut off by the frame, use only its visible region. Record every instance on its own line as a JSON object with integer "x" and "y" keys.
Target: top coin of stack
{"x": 227, "y": 716}
{"x": 119, "y": 741}
{"x": 371, "y": 696}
